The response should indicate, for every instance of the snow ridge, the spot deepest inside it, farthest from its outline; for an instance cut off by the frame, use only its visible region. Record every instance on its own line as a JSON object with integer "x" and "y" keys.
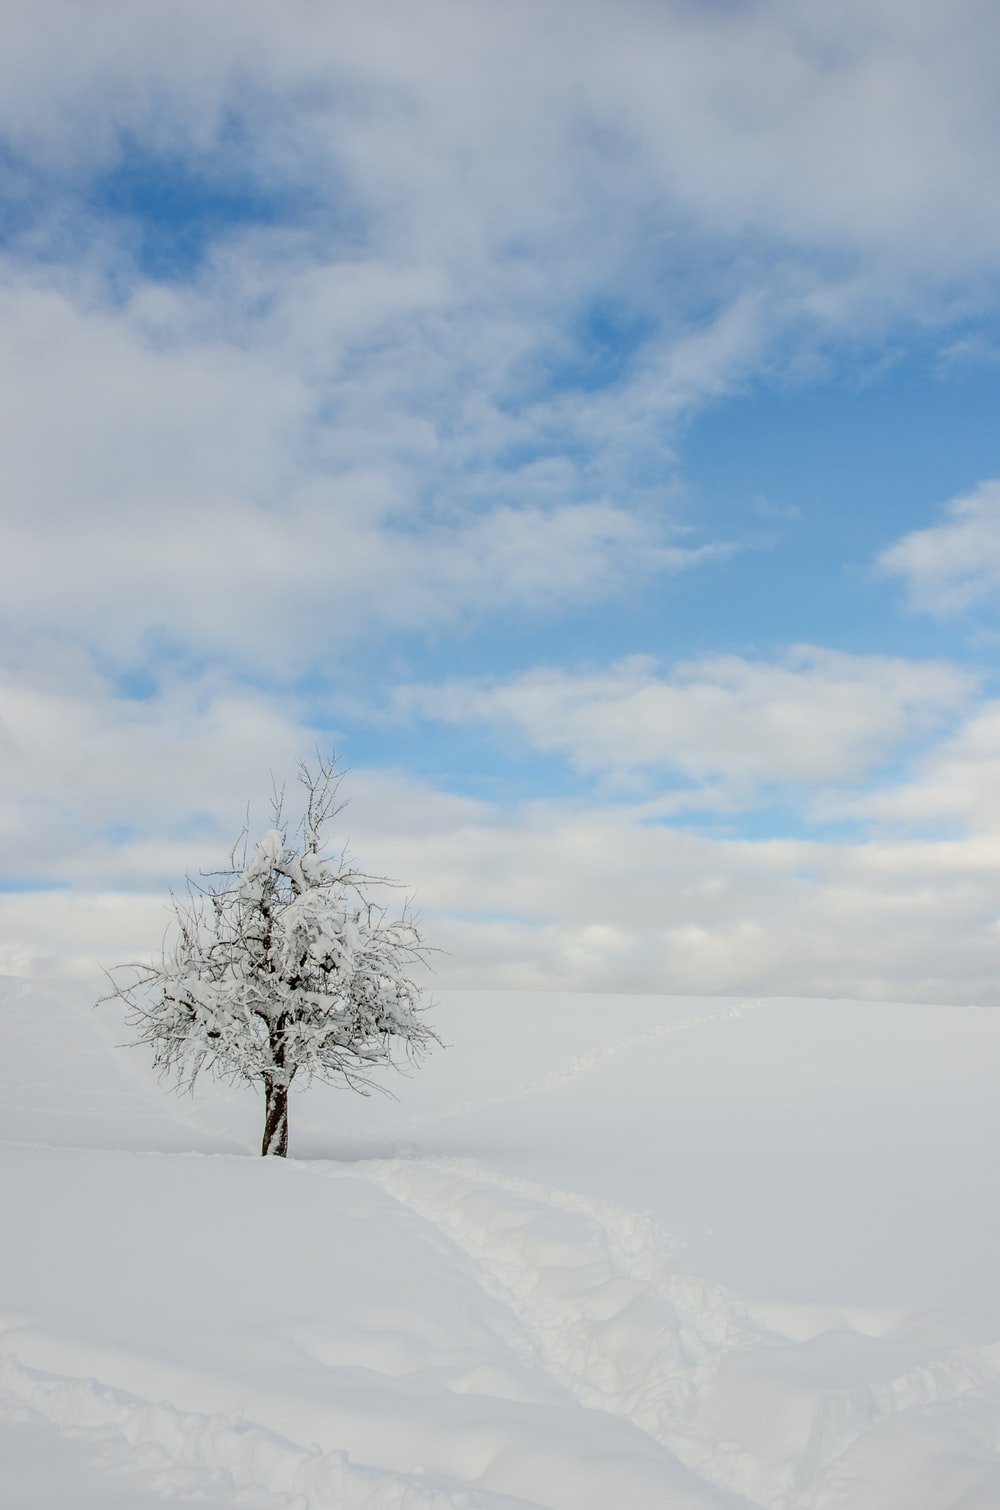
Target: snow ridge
{"x": 225, "y": 1451}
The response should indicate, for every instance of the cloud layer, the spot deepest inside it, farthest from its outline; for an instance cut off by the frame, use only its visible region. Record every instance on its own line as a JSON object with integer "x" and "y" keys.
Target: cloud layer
{"x": 590, "y": 897}
{"x": 442, "y": 288}
{"x": 815, "y": 717}
{"x": 349, "y": 355}
{"x": 584, "y": 893}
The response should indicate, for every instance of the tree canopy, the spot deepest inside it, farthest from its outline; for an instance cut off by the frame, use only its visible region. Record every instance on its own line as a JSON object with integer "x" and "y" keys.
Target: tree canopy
{"x": 282, "y": 967}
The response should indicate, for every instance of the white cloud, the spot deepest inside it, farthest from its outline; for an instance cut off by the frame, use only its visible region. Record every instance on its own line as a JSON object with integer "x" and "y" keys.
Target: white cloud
{"x": 955, "y": 785}
{"x": 353, "y": 409}
{"x": 551, "y": 895}
{"x": 508, "y": 119}
{"x": 387, "y": 409}
{"x": 109, "y": 800}
{"x": 955, "y": 564}
{"x": 102, "y": 791}
{"x": 163, "y": 491}
{"x": 813, "y": 718}
{"x": 562, "y": 895}
{"x": 78, "y": 935}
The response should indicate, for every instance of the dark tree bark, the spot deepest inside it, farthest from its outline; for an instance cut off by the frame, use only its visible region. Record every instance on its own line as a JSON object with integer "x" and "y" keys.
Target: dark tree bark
{"x": 275, "y": 1141}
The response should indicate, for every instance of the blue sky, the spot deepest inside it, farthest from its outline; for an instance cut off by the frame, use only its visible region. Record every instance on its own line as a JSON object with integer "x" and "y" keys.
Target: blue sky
{"x": 584, "y": 417}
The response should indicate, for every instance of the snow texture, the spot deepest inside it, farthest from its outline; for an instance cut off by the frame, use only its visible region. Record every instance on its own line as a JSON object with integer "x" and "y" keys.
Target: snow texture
{"x": 607, "y": 1251}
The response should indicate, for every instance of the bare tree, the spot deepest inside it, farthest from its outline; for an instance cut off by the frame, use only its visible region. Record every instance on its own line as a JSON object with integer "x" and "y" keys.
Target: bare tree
{"x": 281, "y": 968}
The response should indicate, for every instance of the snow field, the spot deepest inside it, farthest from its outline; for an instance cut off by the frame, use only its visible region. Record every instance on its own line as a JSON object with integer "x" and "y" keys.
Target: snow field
{"x": 443, "y": 1308}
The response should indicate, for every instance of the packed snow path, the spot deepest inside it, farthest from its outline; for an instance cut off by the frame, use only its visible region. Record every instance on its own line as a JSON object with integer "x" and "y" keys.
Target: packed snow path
{"x": 503, "y": 1314}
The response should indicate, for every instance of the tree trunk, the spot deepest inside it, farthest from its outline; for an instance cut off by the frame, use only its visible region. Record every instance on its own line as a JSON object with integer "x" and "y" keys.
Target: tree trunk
{"x": 275, "y": 1120}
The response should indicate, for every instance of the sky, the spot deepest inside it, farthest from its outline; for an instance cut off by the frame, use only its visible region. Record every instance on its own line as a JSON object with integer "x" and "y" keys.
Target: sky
{"x": 582, "y": 417}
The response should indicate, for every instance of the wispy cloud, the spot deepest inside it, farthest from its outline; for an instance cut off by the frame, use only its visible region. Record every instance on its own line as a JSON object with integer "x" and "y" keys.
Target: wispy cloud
{"x": 738, "y": 726}
{"x": 952, "y": 565}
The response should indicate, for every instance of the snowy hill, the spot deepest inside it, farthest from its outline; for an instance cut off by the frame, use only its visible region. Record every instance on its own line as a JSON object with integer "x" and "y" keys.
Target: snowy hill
{"x": 603, "y": 1252}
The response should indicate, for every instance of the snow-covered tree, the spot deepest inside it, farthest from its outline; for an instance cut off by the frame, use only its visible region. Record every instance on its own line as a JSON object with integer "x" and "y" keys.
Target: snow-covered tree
{"x": 282, "y": 968}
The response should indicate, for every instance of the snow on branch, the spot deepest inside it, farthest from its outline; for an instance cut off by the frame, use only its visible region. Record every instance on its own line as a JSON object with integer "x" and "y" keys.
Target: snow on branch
{"x": 281, "y": 966}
